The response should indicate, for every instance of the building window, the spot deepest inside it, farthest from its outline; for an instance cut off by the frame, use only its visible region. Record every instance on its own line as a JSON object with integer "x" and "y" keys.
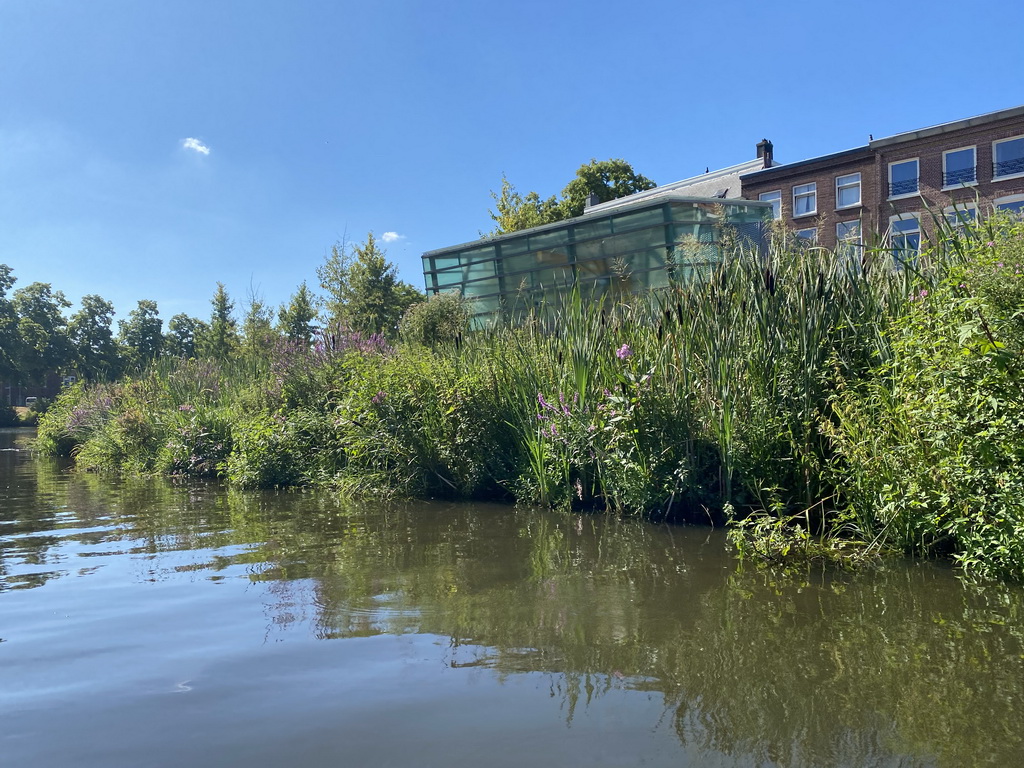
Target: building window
{"x": 959, "y": 216}
{"x": 808, "y": 236}
{"x": 805, "y": 199}
{"x": 1011, "y": 204}
{"x": 905, "y": 237}
{"x": 848, "y": 190}
{"x": 903, "y": 178}
{"x": 958, "y": 167}
{"x": 1008, "y": 158}
{"x": 775, "y": 198}
{"x": 848, "y": 242}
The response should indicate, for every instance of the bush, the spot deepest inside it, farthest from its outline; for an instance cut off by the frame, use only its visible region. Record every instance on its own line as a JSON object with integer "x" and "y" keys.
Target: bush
{"x": 441, "y": 319}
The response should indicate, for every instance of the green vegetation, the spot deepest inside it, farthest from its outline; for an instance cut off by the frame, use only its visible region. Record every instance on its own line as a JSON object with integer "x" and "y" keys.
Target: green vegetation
{"x": 831, "y": 408}
{"x": 607, "y": 179}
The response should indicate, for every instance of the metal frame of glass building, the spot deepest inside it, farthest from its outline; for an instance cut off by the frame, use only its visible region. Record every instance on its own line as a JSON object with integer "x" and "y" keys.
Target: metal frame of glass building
{"x": 628, "y": 249}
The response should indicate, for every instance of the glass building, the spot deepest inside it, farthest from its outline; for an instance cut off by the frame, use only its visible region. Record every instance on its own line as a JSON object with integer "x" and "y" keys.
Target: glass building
{"x": 630, "y": 248}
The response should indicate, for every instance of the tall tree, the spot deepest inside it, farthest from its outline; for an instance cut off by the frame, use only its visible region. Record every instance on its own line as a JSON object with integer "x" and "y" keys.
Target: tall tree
{"x": 364, "y": 292}
{"x": 45, "y": 347}
{"x": 184, "y": 335}
{"x": 608, "y": 179}
{"x": 140, "y": 335}
{"x": 10, "y": 341}
{"x": 295, "y": 319}
{"x": 257, "y": 326}
{"x": 221, "y": 341}
{"x": 96, "y": 355}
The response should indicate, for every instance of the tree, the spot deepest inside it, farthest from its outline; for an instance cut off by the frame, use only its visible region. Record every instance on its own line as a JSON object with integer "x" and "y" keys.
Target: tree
{"x": 441, "y": 319}
{"x": 140, "y": 335}
{"x": 184, "y": 335}
{"x": 96, "y": 355}
{"x": 363, "y": 291}
{"x": 44, "y": 345}
{"x": 221, "y": 340}
{"x": 608, "y": 179}
{"x": 257, "y": 326}
{"x": 516, "y": 212}
{"x": 10, "y": 341}
{"x": 295, "y": 320}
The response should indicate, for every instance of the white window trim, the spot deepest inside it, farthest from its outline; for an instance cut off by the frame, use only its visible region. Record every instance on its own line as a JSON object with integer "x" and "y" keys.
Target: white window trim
{"x": 860, "y": 230}
{"x": 949, "y": 210}
{"x": 814, "y": 211}
{"x": 947, "y": 188}
{"x": 1007, "y": 199}
{"x": 772, "y": 192}
{"x": 860, "y": 191}
{"x": 917, "y": 192}
{"x": 1009, "y": 176}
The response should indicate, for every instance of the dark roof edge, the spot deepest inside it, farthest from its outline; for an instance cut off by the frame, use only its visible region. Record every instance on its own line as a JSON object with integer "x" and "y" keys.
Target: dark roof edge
{"x": 955, "y": 125}
{"x": 668, "y": 198}
{"x": 781, "y": 169}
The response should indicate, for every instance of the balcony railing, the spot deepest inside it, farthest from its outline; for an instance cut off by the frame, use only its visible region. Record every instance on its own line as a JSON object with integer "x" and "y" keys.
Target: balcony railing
{"x": 958, "y": 177}
{"x": 1008, "y": 167}
{"x": 907, "y": 187}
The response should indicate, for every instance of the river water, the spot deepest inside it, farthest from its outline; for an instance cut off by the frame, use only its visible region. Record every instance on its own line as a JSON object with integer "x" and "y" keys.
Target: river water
{"x": 149, "y": 623}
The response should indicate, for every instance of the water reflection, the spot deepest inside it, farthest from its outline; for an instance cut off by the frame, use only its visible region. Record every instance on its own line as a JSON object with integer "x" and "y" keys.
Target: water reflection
{"x": 904, "y": 666}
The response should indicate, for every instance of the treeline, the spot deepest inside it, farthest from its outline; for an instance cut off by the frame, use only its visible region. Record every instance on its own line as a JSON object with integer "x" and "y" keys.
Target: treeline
{"x": 828, "y": 407}
{"x": 359, "y": 291}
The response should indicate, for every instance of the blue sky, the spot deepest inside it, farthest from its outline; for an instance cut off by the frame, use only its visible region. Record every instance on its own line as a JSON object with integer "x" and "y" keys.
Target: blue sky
{"x": 150, "y": 149}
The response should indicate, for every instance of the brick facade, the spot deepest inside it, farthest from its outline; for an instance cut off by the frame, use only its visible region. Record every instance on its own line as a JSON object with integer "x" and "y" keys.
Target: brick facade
{"x": 877, "y": 206}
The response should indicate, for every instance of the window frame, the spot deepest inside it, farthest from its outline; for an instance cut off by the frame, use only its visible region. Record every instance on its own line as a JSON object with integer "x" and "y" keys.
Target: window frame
{"x": 860, "y": 190}
{"x": 960, "y": 184}
{"x": 1008, "y": 199}
{"x": 850, "y": 248}
{"x": 891, "y": 235}
{"x": 778, "y": 192}
{"x": 807, "y": 240}
{"x": 953, "y": 210}
{"x": 1006, "y": 176}
{"x": 917, "y": 189}
{"x": 813, "y": 193}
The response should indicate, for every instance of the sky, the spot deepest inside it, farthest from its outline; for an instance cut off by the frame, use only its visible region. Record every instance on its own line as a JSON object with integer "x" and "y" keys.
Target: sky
{"x": 149, "y": 150}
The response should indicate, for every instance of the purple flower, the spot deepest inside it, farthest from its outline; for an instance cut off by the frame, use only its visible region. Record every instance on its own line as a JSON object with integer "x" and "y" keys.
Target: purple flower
{"x": 544, "y": 403}
{"x": 186, "y": 407}
{"x": 991, "y": 244}
{"x": 623, "y": 352}
{"x": 378, "y": 398}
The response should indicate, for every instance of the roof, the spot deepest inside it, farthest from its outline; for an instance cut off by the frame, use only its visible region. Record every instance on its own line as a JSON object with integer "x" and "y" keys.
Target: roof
{"x": 590, "y": 214}
{"x": 956, "y": 125}
{"x": 706, "y": 185}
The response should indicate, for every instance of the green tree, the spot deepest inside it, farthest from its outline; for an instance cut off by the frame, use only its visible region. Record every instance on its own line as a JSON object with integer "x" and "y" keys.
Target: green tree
{"x": 44, "y": 345}
{"x": 441, "y": 319}
{"x": 96, "y": 354}
{"x": 184, "y": 335}
{"x": 140, "y": 335}
{"x": 10, "y": 341}
{"x": 608, "y": 179}
{"x": 515, "y": 211}
{"x": 363, "y": 291}
{"x": 295, "y": 320}
{"x": 221, "y": 341}
{"x": 257, "y": 326}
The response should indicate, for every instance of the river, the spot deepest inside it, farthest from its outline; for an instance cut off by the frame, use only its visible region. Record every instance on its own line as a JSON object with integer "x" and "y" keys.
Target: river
{"x": 146, "y": 622}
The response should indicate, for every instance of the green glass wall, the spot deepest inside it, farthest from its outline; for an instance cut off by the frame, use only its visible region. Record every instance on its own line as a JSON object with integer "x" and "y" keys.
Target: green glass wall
{"x": 627, "y": 250}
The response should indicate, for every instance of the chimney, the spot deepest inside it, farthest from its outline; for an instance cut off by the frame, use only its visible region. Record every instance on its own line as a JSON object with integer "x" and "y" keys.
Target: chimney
{"x": 764, "y": 150}
{"x": 592, "y": 200}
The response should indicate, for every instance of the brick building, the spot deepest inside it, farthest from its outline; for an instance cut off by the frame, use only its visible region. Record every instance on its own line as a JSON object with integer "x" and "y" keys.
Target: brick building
{"x": 893, "y": 186}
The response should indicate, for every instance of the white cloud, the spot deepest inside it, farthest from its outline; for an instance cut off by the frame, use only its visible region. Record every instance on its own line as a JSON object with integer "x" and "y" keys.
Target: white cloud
{"x": 391, "y": 237}
{"x": 195, "y": 145}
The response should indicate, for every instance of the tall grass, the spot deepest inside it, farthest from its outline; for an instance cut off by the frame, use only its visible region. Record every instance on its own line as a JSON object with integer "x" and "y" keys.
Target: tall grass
{"x": 809, "y": 391}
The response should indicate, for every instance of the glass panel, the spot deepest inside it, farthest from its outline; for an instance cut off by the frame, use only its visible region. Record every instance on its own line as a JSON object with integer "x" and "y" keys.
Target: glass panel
{"x": 644, "y": 238}
{"x": 513, "y": 246}
{"x": 809, "y": 235}
{"x": 482, "y": 287}
{"x": 804, "y": 199}
{"x": 552, "y": 258}
{"x": 554, "y": 276}
{"x": 478, "y": 254}
{"x": 1013, "y": 207}
{"x": 593, "y": 268}
{"x": 519, "y": 263}
{"x": 848, "y": 190}
{"x": 549, "y": 239}
{"x": 1009, "y": 158}
{"x": 592, "y": 229}
{"x": 905, "y": 225}
{"x": 903, "y": 178}
{"x": 478, "y": 270}
{"x": 959, "y": 167}
{"x": 447, "y": 279}
{"x": 639, "y": 219}
{"x": 445, "y": 262}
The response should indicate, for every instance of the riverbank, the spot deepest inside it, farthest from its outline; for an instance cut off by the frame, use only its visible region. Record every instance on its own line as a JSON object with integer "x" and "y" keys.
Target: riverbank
{"x": 822, "y": 395}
